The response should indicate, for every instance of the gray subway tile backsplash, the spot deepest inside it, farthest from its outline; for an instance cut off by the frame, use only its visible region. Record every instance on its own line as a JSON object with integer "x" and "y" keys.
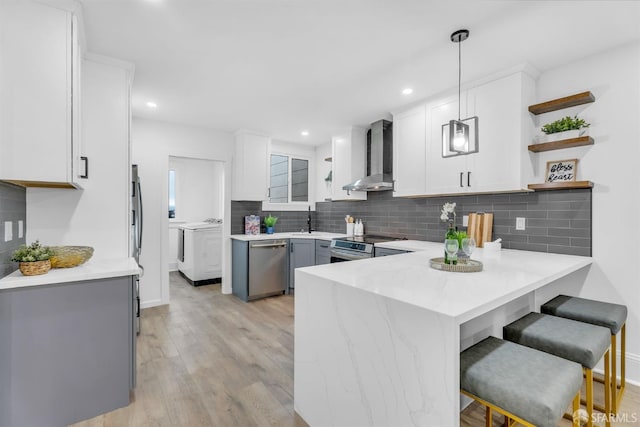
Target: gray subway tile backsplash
{"x": 556, "y": 221}
{"x": 13, "y": 207}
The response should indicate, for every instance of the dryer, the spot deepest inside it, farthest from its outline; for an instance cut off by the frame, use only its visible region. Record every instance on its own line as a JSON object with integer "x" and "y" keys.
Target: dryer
{"x": 200, "y": 252}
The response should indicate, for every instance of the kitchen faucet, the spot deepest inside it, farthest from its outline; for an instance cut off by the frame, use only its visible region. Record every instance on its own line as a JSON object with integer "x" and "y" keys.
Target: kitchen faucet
{"x": 309, "y": 220}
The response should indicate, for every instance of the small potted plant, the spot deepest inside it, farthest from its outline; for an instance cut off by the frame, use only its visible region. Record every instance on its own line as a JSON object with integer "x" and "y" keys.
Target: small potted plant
{"x": 270, "y": 222}
{"x": 33, "y": 259}
{"x": 565, "y": 128}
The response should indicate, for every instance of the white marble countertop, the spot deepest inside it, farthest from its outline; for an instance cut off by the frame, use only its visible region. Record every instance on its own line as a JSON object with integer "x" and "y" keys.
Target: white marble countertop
{"x": 408, "y": 278}
{"x": 92, "y": 269}
{"x": 318, "y": 235}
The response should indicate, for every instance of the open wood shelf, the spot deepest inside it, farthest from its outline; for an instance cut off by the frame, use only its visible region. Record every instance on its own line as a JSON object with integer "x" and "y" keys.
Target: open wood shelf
{"x": 560, "y": 103}
{"x": 563, "y": 143}
{"x": 560, "y": 185}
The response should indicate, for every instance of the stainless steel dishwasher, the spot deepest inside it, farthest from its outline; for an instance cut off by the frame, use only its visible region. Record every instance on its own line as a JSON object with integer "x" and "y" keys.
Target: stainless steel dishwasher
{"x": 268, "y": 268}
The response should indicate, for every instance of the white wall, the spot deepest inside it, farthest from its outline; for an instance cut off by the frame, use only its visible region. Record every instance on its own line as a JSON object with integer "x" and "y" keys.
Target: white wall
{"x": 323, "y": 191}
{"x": 97, "y": 216}
{"x": 199, "y": 195}
{"x": 612, "y": 164}
{"x": 199, "y": 188}
{"x": 153, "y": 142}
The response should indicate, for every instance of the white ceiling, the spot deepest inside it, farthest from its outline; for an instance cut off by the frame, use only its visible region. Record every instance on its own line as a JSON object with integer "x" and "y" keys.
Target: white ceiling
{"x": 281, "y": 66}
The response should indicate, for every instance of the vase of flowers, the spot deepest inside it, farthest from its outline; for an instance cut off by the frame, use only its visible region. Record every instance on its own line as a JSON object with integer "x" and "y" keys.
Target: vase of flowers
{"x": 33, "y": 259}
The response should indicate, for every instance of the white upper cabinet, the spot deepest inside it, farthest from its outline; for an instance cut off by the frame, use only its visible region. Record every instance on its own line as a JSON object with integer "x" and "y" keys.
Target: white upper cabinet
{"x": 250, "y": 176}
{"x": 502, "y": 162}
{"x": 39, "y": 101}
{"x": 445, "y": 175}
{"x": 409, "y": 152}
{"x": 348, "y": 164}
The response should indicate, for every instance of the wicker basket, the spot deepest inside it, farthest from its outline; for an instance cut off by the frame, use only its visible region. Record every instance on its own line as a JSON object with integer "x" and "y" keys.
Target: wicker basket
{"x": 35, "y": 268}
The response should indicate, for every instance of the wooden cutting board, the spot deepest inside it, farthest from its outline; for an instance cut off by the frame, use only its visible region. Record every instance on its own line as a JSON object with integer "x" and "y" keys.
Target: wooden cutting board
{"x": 480, "y": 227}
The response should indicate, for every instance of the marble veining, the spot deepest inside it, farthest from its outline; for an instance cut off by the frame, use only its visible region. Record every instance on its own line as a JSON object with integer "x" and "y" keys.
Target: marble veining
{"x": 377, "y": 341}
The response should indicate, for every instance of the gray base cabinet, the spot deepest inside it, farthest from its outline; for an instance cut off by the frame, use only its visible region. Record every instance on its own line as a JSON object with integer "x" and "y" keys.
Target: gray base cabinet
{"x": 386, "y": 252}
{"x": 322, "y": 252}
{"x": 302, "y": 253}
{"x": 259, "y": 268}
{"x": 67, "y": 351}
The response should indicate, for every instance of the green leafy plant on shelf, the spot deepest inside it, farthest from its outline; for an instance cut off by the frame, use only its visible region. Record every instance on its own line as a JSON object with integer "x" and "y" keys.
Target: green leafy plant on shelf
{"x": 565, "y": 124}
{"x": 270, "y": 221}
{"x": 33, "y": 252}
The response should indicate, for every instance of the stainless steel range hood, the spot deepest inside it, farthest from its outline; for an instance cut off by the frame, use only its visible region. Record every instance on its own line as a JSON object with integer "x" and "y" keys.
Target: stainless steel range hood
{"x": 379, "y": 160}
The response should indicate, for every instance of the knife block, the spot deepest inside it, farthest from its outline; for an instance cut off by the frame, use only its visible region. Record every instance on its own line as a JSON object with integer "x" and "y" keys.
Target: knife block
{"x": 480, "y": 227}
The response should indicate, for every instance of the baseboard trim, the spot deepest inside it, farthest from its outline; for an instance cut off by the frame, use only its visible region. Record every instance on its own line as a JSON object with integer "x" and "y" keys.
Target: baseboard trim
{"x": 298, "y": 421}
{"x": 151, "y": 303}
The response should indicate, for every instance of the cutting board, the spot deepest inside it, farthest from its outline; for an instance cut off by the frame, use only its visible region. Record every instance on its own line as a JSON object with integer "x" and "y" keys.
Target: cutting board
{"x": 480, "y": 227}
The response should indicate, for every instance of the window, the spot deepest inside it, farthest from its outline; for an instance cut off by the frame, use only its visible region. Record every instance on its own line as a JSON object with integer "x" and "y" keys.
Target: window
{"x": 172, "y": 193}
{"x": 283, "y": 189}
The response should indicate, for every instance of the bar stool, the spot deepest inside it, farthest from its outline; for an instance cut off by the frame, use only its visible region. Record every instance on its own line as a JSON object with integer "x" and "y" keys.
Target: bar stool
{"x": 527, "y": 386}
{"x": 612, "y": 316}
{"x": 572, "y": 340}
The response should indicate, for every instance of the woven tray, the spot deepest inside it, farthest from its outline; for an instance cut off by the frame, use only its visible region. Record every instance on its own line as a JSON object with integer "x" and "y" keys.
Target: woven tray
{"x": 463, "y": 266}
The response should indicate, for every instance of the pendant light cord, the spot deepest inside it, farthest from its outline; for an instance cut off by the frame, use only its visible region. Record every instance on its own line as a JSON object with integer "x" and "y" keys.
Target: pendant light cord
{"x": 459, "y": 75}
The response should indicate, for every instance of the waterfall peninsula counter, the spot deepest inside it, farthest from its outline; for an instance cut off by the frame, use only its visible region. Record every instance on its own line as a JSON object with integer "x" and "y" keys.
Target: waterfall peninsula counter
{"x": 377, "y": 341}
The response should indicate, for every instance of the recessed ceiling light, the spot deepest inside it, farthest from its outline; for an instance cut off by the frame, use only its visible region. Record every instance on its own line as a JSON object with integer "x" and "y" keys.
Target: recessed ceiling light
{"x": 407, "y": 91}
{"x": 152, "y": 104}
{"x": 304, "y": 133}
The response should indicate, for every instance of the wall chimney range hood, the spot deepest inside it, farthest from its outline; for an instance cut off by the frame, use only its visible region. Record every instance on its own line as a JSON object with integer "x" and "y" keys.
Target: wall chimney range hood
{"x": 379, "y": 160}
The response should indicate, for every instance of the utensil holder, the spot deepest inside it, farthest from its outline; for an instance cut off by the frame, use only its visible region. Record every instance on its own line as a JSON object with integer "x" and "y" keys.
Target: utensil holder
{"x": 350, "y": 228}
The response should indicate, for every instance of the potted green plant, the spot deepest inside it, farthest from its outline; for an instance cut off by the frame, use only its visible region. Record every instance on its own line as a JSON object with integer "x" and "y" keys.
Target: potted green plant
{"x": 565, "y": 128}
{"x": 33, "y": 259}
{"x": 269, "y": 223}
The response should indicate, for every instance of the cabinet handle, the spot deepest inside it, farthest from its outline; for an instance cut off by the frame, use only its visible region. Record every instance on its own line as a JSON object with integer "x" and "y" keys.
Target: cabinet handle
{"x": 469, "y": 179}
{"x": 86, "y": 166}
{"x": 461, "y": 179}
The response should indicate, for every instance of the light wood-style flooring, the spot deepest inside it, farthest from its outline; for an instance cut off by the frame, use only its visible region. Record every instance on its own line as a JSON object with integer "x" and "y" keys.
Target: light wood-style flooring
{"x": 209, "y": 359}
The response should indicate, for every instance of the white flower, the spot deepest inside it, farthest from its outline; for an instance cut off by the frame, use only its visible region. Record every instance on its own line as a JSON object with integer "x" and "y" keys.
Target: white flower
{"x": 448, "y": 209}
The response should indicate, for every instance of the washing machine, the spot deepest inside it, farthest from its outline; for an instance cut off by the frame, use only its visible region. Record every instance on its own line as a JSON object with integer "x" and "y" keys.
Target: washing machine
{"x": 200, "y": 252}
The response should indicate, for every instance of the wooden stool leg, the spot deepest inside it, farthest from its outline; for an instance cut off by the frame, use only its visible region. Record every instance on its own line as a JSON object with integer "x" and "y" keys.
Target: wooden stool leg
{"x": 488, "y": 417}
{"x": 589, "y": 381}
{"x": 614, "y": 375}
{"x": 607, "y": 381}
{"x": 623, "y": 360}
{"x": 576, "y": 408}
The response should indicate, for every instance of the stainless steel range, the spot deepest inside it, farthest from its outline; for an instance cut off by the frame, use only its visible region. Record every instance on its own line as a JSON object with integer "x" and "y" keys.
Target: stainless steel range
{"x": 355, "y": 248}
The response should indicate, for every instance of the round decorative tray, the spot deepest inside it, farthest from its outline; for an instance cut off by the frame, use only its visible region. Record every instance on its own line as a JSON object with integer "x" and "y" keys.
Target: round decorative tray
{"x": 463, "y": 266}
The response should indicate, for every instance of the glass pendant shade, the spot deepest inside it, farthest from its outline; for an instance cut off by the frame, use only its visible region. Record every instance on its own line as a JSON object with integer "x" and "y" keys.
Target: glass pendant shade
{"x": 458, "y": 137}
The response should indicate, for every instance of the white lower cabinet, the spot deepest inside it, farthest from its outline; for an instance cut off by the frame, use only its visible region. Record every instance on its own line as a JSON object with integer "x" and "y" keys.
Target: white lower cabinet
{"x": 39, "y": 106}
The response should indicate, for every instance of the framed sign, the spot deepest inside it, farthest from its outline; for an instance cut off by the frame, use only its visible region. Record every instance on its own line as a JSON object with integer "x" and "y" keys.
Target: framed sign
{"x": 562, "y": 170}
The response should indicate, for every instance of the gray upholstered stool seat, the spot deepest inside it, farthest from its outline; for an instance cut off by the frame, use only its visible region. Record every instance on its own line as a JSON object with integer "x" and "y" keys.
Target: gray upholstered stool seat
{"x": 572, "y": 340}
{"x": 609, "y": 315}
{"x": 525, "y": 383}
{"x": 606, "y": 314}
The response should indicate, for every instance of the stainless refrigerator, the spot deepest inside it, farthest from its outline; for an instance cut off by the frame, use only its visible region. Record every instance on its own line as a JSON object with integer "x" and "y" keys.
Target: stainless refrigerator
{"x": 136, "y": 234}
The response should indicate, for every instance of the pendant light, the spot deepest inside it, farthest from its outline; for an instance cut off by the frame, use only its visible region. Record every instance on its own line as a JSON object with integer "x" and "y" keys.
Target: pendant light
{"x": 458, "y": 135}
